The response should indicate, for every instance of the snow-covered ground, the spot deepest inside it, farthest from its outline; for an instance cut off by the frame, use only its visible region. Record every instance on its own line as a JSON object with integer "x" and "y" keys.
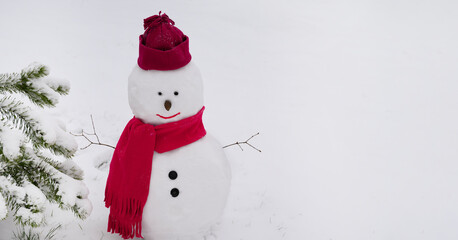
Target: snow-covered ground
{"x": 356, "y": 103}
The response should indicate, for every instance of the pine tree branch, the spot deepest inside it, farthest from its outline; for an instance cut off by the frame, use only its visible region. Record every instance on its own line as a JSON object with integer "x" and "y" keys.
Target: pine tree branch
{"x": 25, "y": 169}
{"x": 30, "y": 82}
{"x": 18, "y": 114}
{"x": 3, "y": 208}
{"x": 25, "y": 212}
{"x": 68, "y": 167}
{"x": 244, "y": 142}
{"x": 31, "y": 168}
{"x": 29, "y": 179}
{"x": 51, "y": 183}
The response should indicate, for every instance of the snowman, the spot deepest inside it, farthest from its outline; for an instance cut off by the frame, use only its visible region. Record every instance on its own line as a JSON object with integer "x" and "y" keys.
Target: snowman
{"x": 168, "y": 178}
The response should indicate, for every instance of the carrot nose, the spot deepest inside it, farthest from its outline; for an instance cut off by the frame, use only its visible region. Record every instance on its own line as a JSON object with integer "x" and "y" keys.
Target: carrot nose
{"x": 167, "y": 105}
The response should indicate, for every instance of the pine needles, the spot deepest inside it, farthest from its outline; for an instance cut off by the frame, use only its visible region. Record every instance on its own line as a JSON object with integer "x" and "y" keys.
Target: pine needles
{"x": 31, "y": 143}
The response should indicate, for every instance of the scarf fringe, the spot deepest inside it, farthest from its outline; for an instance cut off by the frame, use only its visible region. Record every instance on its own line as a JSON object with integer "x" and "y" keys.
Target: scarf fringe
{"x": 127, "y": 229}
{"x": 125, "y": 216}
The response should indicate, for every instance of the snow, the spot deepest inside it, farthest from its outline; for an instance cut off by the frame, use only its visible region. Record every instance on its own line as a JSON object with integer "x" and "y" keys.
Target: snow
{"x": 35, "y": 67}
{"x": 72, "y": 169}
{"x": 42, "y": 88}
{"x": 11, "y": 141}
{"x": 39, "y": 122}
{"x": 14, "y": 190}
{"x": 36, "y": 197}
{"x": 29, "y": 216}
{"x": 355, "y": 101}
{"x": 70, "y": 190}
{"x": 53, "y": 132}
{"x": 3, "y": 209}
{"x": 73, "y": 192}
{"x": 28, "y": 195}
{"x": 57, "y": 83}
{"x": 102, "y": 160}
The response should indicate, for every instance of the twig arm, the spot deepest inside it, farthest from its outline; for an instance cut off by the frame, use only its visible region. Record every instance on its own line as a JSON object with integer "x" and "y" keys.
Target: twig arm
{"x": 244, "y": 142}
{"x": 94, "y": 133}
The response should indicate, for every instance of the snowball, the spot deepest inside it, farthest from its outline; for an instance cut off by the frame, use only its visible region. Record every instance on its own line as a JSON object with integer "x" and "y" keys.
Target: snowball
{"x": 203, "y": 182}
{"x": 148, "y": 91}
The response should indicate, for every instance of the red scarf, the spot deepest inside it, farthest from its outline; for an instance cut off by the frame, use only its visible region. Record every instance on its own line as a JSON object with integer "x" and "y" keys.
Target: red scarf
{"x": 130, "y": 169}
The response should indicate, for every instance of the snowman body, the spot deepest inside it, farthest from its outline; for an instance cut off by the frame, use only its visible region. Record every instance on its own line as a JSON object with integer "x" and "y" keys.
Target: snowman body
{"x": 189, "y": 186}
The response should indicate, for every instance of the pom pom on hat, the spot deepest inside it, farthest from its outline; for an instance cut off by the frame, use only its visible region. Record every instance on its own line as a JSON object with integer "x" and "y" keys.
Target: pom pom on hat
{"x": 163, "y": 46}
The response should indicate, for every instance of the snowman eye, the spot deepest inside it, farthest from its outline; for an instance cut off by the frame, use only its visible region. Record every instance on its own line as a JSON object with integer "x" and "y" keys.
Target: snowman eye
{"x": 159, "y": 93}
{"x": 176, "y": 93}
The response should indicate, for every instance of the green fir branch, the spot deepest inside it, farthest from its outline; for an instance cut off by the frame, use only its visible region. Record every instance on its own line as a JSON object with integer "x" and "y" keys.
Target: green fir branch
{"x": 74, "y": 172}
{"x": 25, "y": 83}
{"x": 49, "y": 182}
{"x": 34, "y": 71}
{"x": 60, "y": 89}
{"x": 13, "y": 174}
{"x": 18, "y": 114}
{"x": 16, "y": 202}
{"x": 29, "y": 170}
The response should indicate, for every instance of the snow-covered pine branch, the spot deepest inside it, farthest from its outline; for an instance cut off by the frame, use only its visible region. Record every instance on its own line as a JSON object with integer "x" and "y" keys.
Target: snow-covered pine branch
{"x": 34, "y": 83}
{"x": 3, "y": 209}
{"x": 26, "y": 201}
{"x": 32, "y": 175}
{"x": 42, "y": 134}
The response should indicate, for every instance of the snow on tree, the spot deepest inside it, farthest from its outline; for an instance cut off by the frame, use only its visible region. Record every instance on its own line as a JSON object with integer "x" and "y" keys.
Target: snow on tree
{"x": 35, "y": 150}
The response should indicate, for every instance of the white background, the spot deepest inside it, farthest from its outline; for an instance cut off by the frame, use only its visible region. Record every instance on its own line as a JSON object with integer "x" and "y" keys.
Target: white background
{"x": 356, "y": 103}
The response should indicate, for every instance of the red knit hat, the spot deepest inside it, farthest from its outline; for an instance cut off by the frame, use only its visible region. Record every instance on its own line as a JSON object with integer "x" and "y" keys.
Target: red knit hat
{"x": 163, "y": 46}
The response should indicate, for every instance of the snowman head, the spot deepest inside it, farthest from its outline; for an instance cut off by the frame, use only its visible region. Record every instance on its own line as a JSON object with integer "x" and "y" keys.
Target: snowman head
{"x": 158, "y": 97}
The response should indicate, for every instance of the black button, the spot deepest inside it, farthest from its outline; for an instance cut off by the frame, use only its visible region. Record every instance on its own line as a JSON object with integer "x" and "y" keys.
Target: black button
{"x": 173, "y": 175}
{"x": 175, "y": 192}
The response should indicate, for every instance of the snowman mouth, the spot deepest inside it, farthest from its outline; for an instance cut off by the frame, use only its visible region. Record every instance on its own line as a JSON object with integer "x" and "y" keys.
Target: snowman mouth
{"x": 169, "y": 116}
